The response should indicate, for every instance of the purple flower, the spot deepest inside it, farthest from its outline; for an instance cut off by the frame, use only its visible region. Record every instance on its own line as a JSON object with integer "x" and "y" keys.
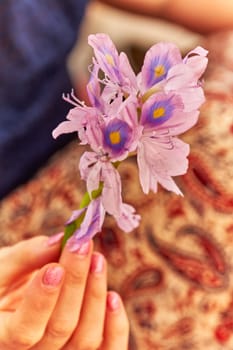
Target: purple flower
{"x": 160, "y": 154}
{"x": 113, "y": 134}
{"x": 157, "y": 62}
{"x": 119, "y": 74}
{"x": 111, "y": 131}
{"x": 94, "y": 171}
{"x": 164, "y": 70}
{"x": 184, "y": 79}
{"x": 106, "y": 55}
{"x": 79, "y": 119}
{"x": 130, "y": 114}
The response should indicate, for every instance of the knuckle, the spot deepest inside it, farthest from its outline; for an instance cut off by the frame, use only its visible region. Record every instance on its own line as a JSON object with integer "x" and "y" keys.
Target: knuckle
{"x": 97, "y": 293}
{"x": 75, "y": 277}
{"x": 58, "y": 331}
{"x": 21, "y": 339}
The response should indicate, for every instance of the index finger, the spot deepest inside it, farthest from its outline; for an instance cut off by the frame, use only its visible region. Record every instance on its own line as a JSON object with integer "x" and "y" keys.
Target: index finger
{"x": 23, "y": 328}
{"x": 27, "y": 256}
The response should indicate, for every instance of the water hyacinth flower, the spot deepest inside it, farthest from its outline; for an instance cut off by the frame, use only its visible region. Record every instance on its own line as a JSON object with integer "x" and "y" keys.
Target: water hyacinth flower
{"x": 161, "y": 155}
{"x": 159, "y": 59}
{"x": 131, "y": 114}
{"x": 118, "y": 72}
{"x": 96, "y": 171}
{"x": 165, "y": 70}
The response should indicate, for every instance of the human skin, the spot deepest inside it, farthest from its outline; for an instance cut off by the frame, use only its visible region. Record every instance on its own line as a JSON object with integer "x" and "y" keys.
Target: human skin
{"x": 50, "y": 301}
{"x": 203, "y": 16}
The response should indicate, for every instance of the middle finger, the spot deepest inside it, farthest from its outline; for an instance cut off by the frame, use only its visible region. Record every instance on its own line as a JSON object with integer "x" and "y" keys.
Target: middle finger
{"x": 89, "y": 331}
{"x": 67, "y": 311}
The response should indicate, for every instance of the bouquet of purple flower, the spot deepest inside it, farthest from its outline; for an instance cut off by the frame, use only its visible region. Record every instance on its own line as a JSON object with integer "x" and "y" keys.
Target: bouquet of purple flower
{"x": 129, "y": 115}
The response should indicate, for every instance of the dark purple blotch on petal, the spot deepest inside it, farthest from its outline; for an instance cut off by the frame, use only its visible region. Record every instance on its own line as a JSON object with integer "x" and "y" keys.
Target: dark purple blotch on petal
{"x": 117, "y": 136}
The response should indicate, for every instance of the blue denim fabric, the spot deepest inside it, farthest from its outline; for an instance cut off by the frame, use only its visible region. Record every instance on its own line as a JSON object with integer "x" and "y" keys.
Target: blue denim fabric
{"x": 35, "y": 39}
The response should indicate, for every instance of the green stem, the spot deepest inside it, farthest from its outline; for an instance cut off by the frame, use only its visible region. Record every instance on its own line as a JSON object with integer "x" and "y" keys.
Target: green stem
{"x": 71, "y": 228}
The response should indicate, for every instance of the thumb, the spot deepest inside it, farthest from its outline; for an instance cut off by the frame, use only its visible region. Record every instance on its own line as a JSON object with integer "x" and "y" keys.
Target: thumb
{"x": 26, "y": 256}
{"x": 23, "y": 328}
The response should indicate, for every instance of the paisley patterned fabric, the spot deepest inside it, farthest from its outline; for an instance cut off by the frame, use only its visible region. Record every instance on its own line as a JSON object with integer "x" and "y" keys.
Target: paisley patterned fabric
{"x": 175, "y": 271}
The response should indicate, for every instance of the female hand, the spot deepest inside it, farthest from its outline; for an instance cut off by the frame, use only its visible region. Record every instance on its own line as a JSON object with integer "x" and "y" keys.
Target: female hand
{"x": 53, "y": 306}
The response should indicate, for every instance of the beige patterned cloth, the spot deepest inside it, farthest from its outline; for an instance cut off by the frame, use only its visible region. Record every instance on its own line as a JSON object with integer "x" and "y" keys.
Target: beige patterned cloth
{"x": 175, "y": 271}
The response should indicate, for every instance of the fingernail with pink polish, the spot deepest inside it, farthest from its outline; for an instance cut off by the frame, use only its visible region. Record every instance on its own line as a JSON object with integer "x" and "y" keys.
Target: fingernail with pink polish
{"x": 81, "y": 249}
{"x": 97, "y": 263}
{"x": 113, "y": 301}
{"x": 53, "y": 276}
{"x": 54, "y": 239}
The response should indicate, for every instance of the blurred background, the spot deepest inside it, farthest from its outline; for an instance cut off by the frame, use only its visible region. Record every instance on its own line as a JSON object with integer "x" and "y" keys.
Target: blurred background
{"x": 175, "y": 271}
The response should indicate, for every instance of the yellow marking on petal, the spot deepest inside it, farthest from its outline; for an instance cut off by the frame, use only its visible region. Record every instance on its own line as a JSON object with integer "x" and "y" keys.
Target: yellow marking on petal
{"x": 109, "y": 59}
{"x": 158, "y": 112}
{"x": 115, "y": 137}
{"x": 159, "y": 70}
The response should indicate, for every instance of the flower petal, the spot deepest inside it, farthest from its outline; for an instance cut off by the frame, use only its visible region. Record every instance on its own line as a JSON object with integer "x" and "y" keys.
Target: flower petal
{"x": 192, "y": 97}
{"x": 197, "y": 61}
{"x": 76, "y": 119}
{"x": 146, "y": 177}
{"x": 106, "y": 55}
{"x": 75, "y": 215}
{"x": 128, "y": 220}
{"x": 180, "y": 77}
{"x": 183, "y": 81}
{"x": 160, "y": 108}
{"x": 93, "y": 88}
{"x": 93, "y": 179}
{"x": 180, "y": 123}
{"x": 90, "y": 168}
{"x": 93, "y": 130}
{"x": 117, "y": 137}
{"x": 157, "y": 62}
{"x": 92, "y": 223}
{"x": 161, "y": 159}
{"x": 128, "y": 77}
{"x": 115, "y": 66}
{"x": 65, "y": 127}
{"x": 111, "y": 194}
